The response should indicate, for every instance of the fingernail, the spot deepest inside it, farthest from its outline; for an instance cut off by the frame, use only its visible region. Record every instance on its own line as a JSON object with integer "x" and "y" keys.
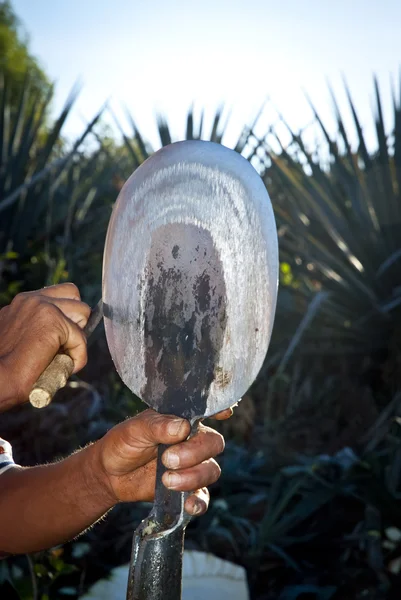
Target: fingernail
{"x": 173, "y": 480}
{"x": 171, "y": 459}
{"x": 175, "y": 426}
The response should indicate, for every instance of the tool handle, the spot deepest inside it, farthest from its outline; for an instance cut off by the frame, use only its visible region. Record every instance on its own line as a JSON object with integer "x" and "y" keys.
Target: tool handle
{"x": 157, "y": 550}
{"x": 56, "y": 375}
{"x": 53, "y": 378}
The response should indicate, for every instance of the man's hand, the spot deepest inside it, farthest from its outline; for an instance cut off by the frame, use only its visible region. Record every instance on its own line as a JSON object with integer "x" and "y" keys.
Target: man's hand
{"x": 33, "y": 328}
{"x": 68, "y": 496}
{"x": 126, "y": 459}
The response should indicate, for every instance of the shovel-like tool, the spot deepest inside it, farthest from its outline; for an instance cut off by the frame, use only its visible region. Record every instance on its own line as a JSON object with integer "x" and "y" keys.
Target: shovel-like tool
{"x": 189, "y": 290}
{"x": 190, "y": 277}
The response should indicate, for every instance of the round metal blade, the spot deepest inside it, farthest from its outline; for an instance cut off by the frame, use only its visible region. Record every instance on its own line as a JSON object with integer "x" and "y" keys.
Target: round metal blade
{"x": 190, "y": 277}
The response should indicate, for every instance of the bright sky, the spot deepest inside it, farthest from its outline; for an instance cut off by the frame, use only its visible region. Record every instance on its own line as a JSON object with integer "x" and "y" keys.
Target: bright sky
{"x": 154, "y": 55}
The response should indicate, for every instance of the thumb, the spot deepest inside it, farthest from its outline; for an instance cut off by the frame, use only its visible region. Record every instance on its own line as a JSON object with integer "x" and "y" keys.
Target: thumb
{"x": 150, "y": 428}
{"x": 133, "y": 443}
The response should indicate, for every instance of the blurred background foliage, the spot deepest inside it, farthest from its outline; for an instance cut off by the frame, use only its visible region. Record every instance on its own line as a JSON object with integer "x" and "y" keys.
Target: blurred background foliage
{"x": 309, "y": 498}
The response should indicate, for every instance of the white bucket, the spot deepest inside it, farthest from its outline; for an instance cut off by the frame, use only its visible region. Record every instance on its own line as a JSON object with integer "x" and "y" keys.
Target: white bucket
{"x": 204, "y": 576}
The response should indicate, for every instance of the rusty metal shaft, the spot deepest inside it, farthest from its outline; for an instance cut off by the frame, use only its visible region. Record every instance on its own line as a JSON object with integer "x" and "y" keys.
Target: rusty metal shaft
{"x": 158, "y": 544}
{"x": 156, "y": 566}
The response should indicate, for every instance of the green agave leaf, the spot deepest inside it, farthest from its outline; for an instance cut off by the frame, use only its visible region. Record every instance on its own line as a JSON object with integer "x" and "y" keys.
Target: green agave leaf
{"x": 388, "y": 263}
{"x": 339, "y": 230}
{"x": 305, "y": 323}
{"x": 200, "y": 129}
{"x": 18, "y": 119}
{"x": 35, "y": 179}
{"x": 4, "y": 115}
{"x": 144, "y": 148}
{"x": 164, "y": 131}
{"x": 128, "y": 143}
{"x": 362, "y": 144}
{"x": 397, "y": 137}
{"x": 54, "y": 134}
{"x": 285, "y": 556}
{"x": 215, "y": 135}
{"x": 190, "y": 134}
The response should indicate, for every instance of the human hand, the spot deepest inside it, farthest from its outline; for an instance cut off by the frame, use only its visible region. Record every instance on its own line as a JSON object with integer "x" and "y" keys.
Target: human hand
{"x": 127, "y": 459}
{"x": 33, "y": 328}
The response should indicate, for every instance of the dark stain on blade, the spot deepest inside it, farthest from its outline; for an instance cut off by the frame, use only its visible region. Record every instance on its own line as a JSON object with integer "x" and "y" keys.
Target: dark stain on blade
{"x": 184, "y": 319}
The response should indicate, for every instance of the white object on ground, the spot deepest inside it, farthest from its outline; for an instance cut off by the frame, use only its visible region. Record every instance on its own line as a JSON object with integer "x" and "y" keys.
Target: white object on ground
{"x": 204, "y": 576}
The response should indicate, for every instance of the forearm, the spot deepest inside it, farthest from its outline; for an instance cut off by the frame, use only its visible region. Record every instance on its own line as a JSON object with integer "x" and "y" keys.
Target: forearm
{"x": 43, "y": 506}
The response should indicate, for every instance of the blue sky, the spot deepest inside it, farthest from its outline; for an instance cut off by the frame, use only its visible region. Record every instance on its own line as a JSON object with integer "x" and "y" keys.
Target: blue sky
{"x": 161, "y": 56}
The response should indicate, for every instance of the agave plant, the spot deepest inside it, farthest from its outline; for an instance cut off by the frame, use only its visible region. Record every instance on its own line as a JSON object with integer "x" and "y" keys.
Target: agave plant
{"x": 139, "y": 149}
{"x": 46, "y": 191}
{"x": 338, "y": 211}
{"x": 320, "y": 527}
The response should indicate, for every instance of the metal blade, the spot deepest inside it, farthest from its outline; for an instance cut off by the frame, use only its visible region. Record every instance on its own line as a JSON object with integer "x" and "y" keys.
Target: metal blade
{"x": 190, "y": 279}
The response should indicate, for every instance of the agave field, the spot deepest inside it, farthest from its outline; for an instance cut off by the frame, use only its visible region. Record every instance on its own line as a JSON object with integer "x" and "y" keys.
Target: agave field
{"x": 309, "y": 501}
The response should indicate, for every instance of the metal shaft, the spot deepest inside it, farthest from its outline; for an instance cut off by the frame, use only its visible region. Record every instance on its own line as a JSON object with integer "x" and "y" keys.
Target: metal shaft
{"x": 158, "y": 544}
{"x": 156, "y": 566}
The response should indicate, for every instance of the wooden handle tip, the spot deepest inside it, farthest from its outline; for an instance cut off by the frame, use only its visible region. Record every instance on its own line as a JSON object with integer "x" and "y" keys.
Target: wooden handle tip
{"x": 52, "y": 379}
{"x": 40, "y": 398}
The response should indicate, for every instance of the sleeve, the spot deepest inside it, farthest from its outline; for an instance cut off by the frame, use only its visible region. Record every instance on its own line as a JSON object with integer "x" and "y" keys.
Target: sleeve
{"x": 6, "y": 462}
{"x": 6, "y": 456}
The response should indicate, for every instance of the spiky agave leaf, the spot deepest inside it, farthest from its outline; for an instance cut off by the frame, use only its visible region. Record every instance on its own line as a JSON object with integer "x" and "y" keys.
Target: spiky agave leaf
{"x": 340, "y": 227}
{"x": 40, "y": 194}
{"x": 139, "y": 149}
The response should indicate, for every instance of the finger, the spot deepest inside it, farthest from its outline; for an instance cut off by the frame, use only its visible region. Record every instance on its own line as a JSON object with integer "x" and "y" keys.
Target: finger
{"x": 78, "y": 312}
{"x": 61, "y": 290}
{"x": 186, "y": 480}
{"x": 205, "y": 444}
{"x": 74, "y": 344}
{"x": 197, "y": 503}
{"x": 56, "y": 330}
{"x": 134, "y": 442}
{"x": 224, "y": 414}
{"x": 150, "y": 428}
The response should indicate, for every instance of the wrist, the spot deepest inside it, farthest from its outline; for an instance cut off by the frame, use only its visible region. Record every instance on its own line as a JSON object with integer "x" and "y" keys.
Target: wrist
{"x": 97, "y": 477}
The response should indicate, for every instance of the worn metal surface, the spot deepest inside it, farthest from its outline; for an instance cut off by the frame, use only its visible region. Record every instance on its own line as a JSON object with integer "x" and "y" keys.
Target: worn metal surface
{"x": 190, "y": 279}
{"x": 156, "y": 564}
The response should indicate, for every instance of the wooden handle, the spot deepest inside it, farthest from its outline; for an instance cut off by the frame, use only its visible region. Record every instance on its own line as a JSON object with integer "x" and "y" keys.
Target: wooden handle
{"x": 52, "y": 379}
